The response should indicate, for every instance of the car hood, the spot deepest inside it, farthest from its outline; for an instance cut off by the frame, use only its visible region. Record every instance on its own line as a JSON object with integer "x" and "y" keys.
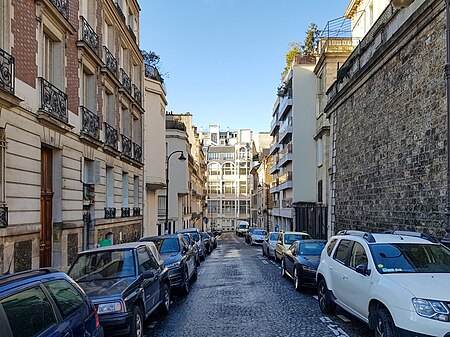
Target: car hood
{"x": 432, "y": 286}
{"x": 171, "y": 258}
{"x": 259, "y": 237}
{"x": 310, "y": 259}
{"x": 106, "y": 288}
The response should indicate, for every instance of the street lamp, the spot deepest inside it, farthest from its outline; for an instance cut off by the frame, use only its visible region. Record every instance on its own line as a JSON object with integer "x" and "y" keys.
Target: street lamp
{"x": 180, "y": 158}
{"x": 399, "y": 4}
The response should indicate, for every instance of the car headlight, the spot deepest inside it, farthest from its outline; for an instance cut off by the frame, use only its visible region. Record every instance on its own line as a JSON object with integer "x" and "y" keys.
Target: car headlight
{"x": 174, "y": 265}
{"x": 431, "y": 309}
{"x": 106, "y": 308}
{"x": 307, "y": 268}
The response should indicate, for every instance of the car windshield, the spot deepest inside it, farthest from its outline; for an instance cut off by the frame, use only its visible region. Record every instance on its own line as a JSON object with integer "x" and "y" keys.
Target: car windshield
{"x": 260, "y": 232}
{"x": 167, "y": 245}
{"x": 290, "y": 238}
{"x": 242, "y": 226}
{"x": 103, "y": 265}
{"x": 273, "y": 237}
{"x": 311, "y": 248}
{"x": 186, "y": 236}
{"x": 205, "y": 235}
{"x": 410, "y": 258}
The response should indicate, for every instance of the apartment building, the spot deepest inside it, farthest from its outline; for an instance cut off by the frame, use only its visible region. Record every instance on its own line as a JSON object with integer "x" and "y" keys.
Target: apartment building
{"x": 71, "y": 129}
{"x": 229, "y": 158}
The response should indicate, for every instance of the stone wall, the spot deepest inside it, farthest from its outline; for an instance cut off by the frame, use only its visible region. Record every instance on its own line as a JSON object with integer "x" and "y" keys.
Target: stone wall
{"x": 390, "y": 137}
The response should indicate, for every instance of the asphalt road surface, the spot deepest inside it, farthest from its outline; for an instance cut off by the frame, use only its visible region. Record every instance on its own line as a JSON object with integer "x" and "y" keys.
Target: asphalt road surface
{"x": 241, "y": 293}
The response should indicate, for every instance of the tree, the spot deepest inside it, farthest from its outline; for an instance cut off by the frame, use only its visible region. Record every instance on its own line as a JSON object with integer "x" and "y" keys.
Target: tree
{"x": 153, "y": 61}
{"x": 294, "y": 50}
{"x": 312, "y": 34}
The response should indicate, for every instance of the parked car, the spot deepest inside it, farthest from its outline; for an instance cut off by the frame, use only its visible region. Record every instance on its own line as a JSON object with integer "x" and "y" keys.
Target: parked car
{"x": 249, "y": 234}
{"x": 207, "y": 242}
{"x": 242, "y": 228}
{"x": 396, "y": 283}
{"x": 258, "y": 236}
{"x": 179, "y": 257}
{"x": 286, "y": 239}
{"x": 213, "y": 239}
{"x": 300, "y": 262}
{"x": 126, "y": 282}
{"x": 268, "y": 246}
{"x": 190, "y": 238}
{"x": 198, "y": 239}
{"x": 45, "y": 302}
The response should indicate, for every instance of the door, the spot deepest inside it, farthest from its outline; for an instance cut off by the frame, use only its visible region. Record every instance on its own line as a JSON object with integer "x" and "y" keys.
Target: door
{"x": 339, "y": 269}
{"x": 45, "y": 248}
{"x": 189, "y": 253}
{"x": 289, "y": 261}
{"x": 149, "y": 285}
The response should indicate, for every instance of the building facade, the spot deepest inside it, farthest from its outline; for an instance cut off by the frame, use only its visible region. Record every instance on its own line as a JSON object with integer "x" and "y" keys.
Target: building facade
{"x": 71, "y": 127}
{"x": 228, "y": 157}
{"x": 388, "y": 125}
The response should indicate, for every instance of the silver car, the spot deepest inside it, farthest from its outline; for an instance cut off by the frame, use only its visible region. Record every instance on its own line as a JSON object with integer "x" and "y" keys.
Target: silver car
{"x": 258, "y": 236}
{"x": 268, "y": 246}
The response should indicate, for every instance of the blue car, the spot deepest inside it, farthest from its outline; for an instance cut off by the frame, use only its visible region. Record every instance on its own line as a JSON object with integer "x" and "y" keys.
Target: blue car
{"x": 45, "y": 303}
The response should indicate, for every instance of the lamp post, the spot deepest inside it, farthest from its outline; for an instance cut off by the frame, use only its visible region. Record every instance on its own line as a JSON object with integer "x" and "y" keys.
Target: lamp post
{"x": 399, "y": 4}
{"x": 180, "y": 158}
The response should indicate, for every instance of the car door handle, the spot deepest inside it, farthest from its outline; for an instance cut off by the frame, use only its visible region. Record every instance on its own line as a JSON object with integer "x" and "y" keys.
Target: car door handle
{"x": 344, "y": 277}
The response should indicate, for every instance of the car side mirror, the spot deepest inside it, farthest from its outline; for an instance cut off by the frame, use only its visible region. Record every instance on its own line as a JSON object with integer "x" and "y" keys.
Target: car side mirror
{"x": 148, "y": 274}
{"x": 363, "y": 270}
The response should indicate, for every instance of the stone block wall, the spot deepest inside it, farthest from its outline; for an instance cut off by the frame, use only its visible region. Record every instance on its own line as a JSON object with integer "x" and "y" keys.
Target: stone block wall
{"x": 390, "y": 140}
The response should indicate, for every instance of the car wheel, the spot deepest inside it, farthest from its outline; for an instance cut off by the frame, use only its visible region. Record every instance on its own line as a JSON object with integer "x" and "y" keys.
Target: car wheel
{"x": 283, "y": 270}
{"x": 202, "y": 257}
{"x": 165, "y": 305}
{"x": 195, "y": 274}
{"x": 326, "y": 304}
{"x": 137, "y": 323}
{"x": 197, "y": 262}
{"x": 385, "y": 325}
{"x": 185, "y": 289}
{"x": 297, "y": 284}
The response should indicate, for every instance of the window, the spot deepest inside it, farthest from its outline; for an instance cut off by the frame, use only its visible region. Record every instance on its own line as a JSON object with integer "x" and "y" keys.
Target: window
{"x": 136, "y": 191}
{"x": 319, "y": 191}
{"x": 143, "y": 260}
{"x": 229, "y": 207}
{"x": 242, "y": 153}
{"x": 214, "y": 187}
{"x": 2, "y": 165}
{"x": 228, "y": 156}
{"x": 213, "y": 156}
{"x": 243, "y": 206}
{"x": 124, "y": 189}
{"x": 228, "y": 187}
{"x": 331, "y": 246}
{"x": 243, "y": 187}
{"x": 67, "y": 298}
{"x": 319, "y": 152}
{"x": 228, "y": 169}
{"x": 161, "y": 204}
{"x": 52, "y": 67}
{"x": 358, "y": 256}
{"x": 88, "y": 98}
{"x": 213, "y": 206}
{"x": 125, "y": 121}
{"x": 110, "y": 109}
{"x": 29, "y": 312}
{"x": 214, "y": 169}
{"x": 243, "y": 169}
{"x": 137, "y": 131}
{"x": 109, "y": 186}
{"x": 342, "y": 251}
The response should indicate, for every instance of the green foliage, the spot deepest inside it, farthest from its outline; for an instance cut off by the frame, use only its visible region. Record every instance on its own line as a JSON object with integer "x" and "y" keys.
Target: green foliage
{"x": 152, "y": 60}
{"x": 294, "y": 49}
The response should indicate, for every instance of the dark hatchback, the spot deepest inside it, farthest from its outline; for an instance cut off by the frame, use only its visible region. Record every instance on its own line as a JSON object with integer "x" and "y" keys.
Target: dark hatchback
{"x": 126, "y": 282}
{"x": 45, "y": 303}
{"x": 300, "y": 262}
{"x": 179, "y": 258}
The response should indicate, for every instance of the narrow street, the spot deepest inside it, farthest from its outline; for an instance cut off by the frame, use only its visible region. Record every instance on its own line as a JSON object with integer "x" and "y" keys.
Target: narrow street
{"x": 241, "y": 293}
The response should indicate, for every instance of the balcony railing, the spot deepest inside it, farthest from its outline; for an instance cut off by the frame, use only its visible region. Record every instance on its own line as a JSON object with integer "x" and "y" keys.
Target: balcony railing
{"x": 137, "y": 152}
{"x": 127, "y": 147}
{"x": 89, "y": 35}
{"x": 110, "y": 212}
{"x": 137, "y": 95}
{"x": 152, "y": 72}
{"x": 53, "y": 101}
{"x": 3, "y": 216}
{"x": 133, "y": 35}
{"x": 125, "y": 212}
{"x": 90, "y": 123}
{"x": 119, "y": 10}
{"x": 136, "y": 211}
{"x": 6, "y": 72}
{"x": 111, "y": 136}
{"x": 110, "y": 61}
{"x": 62, "y": 6}
{"x": 126, "y": 81}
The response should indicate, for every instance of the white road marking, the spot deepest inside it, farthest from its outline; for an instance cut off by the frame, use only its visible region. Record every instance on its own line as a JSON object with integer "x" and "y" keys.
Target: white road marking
{"x": 343, "y": 318}
{"x": 334, "y": 328}
{"x": 264, "y": 261}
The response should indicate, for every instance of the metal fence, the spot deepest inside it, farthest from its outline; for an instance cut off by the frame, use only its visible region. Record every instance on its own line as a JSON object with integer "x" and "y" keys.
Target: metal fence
{"x": 311, "y": 218}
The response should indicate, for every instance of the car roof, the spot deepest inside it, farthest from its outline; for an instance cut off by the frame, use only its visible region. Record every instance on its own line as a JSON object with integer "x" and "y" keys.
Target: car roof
{"x": 387, "y": 238}
{"x": 309, "y": 241}
{"x": 303, "y": 233}
{"x": 29, "y": 276}
{"x": 168, "y": 236}
{"x": 187, "y": 230}
{"x": 129, "y": 245}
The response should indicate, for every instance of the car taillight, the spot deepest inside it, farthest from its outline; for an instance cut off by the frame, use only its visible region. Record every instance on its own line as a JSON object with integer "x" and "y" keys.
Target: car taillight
{"x": 97, "y": 323}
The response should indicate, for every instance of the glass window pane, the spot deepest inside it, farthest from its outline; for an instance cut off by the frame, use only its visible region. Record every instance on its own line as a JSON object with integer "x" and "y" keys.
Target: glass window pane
{"x": 143, "y": 260}
{"x": 342, "y": 251}
{"x": 66, "y": 297}
{"x": 359, "y": 256}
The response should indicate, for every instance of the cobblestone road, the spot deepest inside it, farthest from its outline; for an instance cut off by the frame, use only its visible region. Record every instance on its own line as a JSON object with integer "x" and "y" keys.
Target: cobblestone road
{"x": 241, "y": 293}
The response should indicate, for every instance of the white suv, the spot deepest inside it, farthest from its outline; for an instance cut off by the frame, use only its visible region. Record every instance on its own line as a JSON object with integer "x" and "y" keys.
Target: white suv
{"x": 397, "y": 283}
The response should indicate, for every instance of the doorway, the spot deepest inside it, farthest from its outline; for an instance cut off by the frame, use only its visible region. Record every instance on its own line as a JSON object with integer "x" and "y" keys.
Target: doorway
{"x": 45, "y": 248}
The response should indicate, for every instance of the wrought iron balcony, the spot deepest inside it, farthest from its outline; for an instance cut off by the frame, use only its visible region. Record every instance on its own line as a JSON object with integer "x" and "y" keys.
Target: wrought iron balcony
{"x": 62, "y": 6}
{"x": 137, "y": 152}
{"x": 6, "y": 72}
{"x": 125, "y": 212}
{"x": 90, "y": 123}
{"x": 3, "y": 216}
{"x": 111, "y": 62}
{"x": 119, "y": 10}
{"x": 137, "y": 95}
{"x": 89, "y": 36}
{"x": 111, "y": 136}
{"x": 136, "y": 211}
{"x": 152, "y": 72}
{"x": 126, "y": 81}
{"x": 133, "y": 35}
{"x": 110, "y": 212}
{"x": 53, "y": 101}
{"x": 127, "y": 147}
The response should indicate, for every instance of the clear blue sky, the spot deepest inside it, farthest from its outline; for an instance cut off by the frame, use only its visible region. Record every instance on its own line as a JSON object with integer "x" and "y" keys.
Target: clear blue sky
{"x": 224, "y": 57}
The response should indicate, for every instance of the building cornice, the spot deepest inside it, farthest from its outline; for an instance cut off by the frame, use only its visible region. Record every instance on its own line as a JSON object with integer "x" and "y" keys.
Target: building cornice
{"x": 352, "y": 8}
